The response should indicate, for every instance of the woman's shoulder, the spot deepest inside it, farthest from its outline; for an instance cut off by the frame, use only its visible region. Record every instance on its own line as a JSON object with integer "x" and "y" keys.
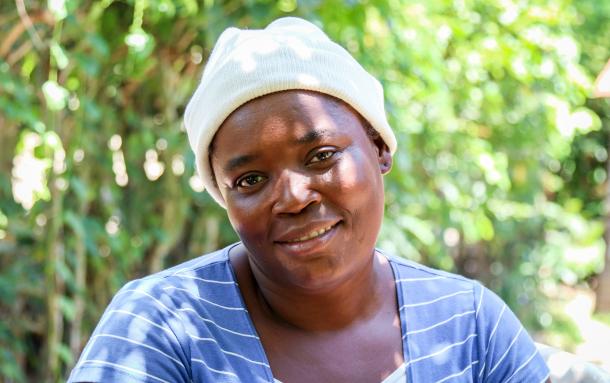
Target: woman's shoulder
{"x": 207, "y": 264}
{"x": 165, "y": 325}
{"x": 410, "y": 272}
{"x": 204, "y": 284}
{"x": 213, "y": 268}
{"x": 425, "y": 289}
{"x": 453, "y": 316}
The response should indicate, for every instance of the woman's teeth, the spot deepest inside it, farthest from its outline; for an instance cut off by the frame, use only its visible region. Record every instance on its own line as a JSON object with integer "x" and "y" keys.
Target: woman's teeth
{"x": 313, "y": 234}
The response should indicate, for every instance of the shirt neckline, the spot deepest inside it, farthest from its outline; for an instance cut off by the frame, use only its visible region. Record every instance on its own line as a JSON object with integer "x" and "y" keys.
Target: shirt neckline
{"x": 259, "y": 344}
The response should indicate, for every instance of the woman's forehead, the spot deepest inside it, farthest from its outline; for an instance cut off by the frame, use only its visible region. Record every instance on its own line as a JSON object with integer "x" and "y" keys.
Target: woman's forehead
{"x": 305, "y": 114}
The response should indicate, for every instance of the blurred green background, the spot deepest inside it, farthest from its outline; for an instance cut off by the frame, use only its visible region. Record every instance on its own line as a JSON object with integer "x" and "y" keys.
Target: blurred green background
{"x": 501, "y": 172}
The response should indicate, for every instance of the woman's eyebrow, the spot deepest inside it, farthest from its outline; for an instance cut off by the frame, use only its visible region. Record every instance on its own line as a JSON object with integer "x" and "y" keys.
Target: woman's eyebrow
{"x": 238, "y": 161}
{"x": 309, "y": 137}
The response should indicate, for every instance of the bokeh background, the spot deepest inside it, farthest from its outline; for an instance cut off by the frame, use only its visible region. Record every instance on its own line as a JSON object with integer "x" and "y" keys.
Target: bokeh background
{"x": 501, "y": 172}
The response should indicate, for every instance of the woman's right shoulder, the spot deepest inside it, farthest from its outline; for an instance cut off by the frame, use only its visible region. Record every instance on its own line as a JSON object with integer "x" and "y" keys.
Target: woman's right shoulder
{"x": 195, "y": 277}
{"x": 146, "y": 332}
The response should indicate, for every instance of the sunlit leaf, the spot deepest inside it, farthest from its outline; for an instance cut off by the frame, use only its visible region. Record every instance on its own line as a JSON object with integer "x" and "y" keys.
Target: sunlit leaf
{"x": 58, "y": 8}
{"x": 55, "y": 95}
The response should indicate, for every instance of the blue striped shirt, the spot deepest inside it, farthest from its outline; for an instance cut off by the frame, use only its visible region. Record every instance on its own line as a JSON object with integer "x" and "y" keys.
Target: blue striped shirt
{"x": 189, "y": 324}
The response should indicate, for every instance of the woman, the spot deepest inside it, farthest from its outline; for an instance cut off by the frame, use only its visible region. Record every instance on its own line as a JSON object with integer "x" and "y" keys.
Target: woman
{"x": 290, "y": 136}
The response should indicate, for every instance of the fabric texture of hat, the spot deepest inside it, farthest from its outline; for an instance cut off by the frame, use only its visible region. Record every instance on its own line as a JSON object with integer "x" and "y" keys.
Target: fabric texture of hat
{"x": 290, "y": 53}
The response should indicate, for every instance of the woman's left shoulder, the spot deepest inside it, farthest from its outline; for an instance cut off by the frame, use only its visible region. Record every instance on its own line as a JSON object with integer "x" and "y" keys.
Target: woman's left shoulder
{"x": 411, "y": 274}
{"x": 445, "y": 307}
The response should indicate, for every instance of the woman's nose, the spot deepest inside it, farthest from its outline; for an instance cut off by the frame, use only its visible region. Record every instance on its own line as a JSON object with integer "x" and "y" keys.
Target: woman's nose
{"x": 294, "y": 191}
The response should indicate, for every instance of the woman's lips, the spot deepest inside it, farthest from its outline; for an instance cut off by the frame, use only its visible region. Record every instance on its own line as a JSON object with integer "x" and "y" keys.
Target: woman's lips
{"x": 310, "y": 242}
{"x": 313, "y": 234}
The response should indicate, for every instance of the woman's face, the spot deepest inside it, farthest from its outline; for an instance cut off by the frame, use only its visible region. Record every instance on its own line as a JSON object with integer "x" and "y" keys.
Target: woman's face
{"x": 303, "y": 186}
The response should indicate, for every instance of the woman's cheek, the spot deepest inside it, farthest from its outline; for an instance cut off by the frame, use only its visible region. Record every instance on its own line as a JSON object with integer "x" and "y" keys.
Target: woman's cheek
{"x": 351, "y": 176}
{"x": 244, "y": 225}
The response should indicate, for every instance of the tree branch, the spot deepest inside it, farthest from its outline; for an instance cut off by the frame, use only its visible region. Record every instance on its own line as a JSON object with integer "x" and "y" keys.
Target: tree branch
{"x": 29, "y": 26}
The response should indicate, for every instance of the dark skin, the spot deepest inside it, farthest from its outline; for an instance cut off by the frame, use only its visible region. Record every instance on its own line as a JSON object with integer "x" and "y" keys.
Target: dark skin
{"x": 302, "y": 181}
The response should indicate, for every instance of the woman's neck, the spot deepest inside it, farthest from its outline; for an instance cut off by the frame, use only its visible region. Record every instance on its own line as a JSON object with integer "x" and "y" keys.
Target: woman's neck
{"x": 358, "y": 297}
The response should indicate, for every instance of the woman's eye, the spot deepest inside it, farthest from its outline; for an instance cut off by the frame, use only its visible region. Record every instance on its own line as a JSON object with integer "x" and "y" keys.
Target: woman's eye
{"x": 250, "y": 180}
{"x": 321, "y": 156}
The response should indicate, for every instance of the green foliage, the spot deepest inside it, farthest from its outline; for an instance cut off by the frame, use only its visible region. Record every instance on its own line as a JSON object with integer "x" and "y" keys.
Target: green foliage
{"x": 500, "y": 172}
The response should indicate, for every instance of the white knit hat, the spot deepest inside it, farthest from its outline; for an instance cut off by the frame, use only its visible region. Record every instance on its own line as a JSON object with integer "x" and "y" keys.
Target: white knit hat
{"x": 290, "y": 53}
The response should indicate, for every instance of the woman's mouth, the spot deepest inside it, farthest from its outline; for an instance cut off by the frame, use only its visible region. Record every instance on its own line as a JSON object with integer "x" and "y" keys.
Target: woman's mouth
{"x": 310, "y": 243}
{"x": 311, "y": 235}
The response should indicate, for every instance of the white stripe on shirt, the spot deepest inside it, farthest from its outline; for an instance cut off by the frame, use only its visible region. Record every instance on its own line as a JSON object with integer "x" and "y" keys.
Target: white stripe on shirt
{"x": 476, "y": 315}
{"x": 225, "y": 351}
{"x": 436, "y": 299}
{"x": 213, "y": 369}
{"x": 506, "y": 352}
{"x": 140, "y": 344}
{"x": 420, "y": 279}
{"x": 217, "y": 325}
{"x": 186, "y": 309}
{"x": 458, "y": 373}
{"x": 142, "y": 318}
{"x": 439, "y": 323}
{"x": 151, "y": 297}
{"x": 121, "y": 367}
{"x": 443, "y": 350}
{"x": 522, "y": 365}
{"x": 203, "y": 280}
{"x": 205, "y": 300}
{"x": 493, "y": 331}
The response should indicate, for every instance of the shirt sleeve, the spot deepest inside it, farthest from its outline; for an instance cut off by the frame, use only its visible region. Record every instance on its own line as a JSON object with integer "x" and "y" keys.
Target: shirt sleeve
{"x": 506, "y": 351}
{"x": 137, "y": 340}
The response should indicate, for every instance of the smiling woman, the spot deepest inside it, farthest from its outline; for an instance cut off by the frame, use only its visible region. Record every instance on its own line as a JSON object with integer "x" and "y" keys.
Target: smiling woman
{"x": 290, "y": 136}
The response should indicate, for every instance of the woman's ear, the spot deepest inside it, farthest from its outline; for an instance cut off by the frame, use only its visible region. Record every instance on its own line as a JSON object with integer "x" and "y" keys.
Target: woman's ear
{"x": 383, "y": 155}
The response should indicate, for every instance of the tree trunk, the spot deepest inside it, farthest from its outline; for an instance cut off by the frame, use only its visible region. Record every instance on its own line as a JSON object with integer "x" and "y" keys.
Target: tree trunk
{"x": 54, "y": 285}
{"x": 80, "y": 276}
